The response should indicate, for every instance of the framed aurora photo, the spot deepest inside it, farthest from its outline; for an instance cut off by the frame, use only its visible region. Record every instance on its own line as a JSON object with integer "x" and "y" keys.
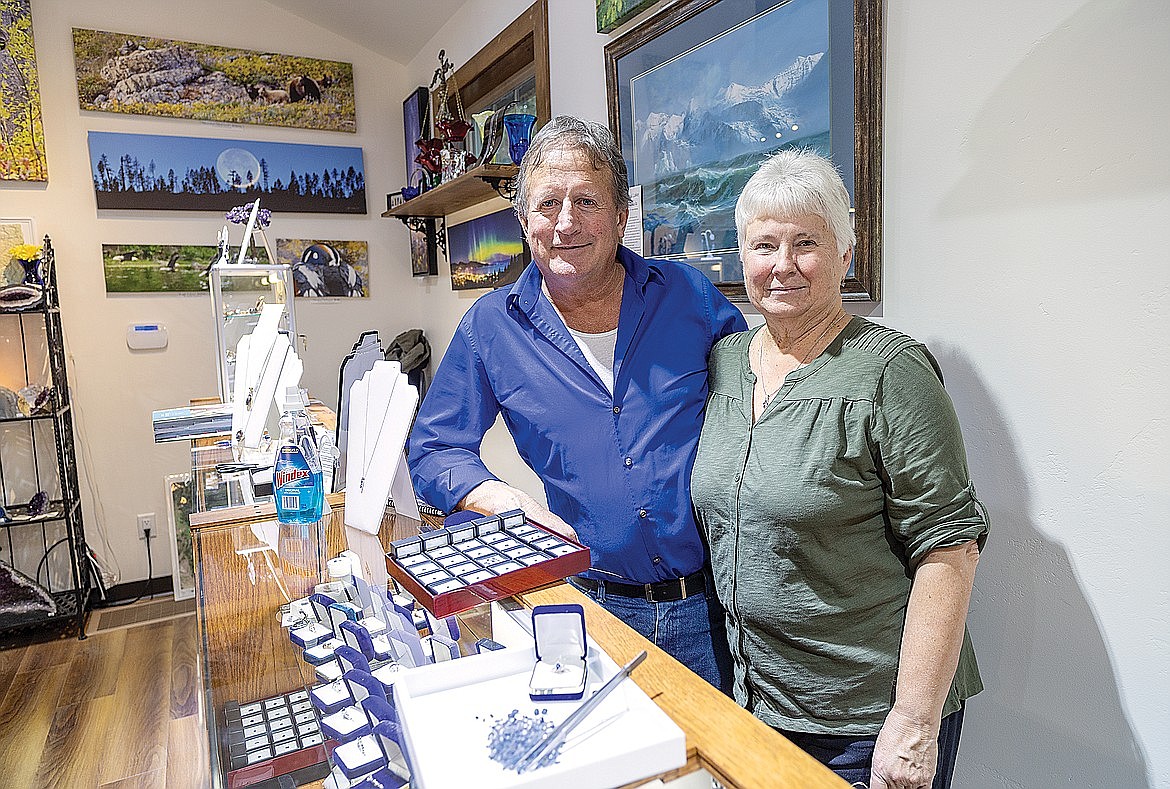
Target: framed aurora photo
{"x": 487, "y": 252}
{"x": 760, "y": 76}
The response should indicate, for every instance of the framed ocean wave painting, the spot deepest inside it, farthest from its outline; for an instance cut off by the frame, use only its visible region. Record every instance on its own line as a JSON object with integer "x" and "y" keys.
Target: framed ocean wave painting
{"x": 759, "y": 76}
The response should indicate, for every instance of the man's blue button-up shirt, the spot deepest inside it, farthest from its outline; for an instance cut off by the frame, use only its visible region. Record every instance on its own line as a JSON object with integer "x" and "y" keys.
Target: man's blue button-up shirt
{"x": 615, "y": 467}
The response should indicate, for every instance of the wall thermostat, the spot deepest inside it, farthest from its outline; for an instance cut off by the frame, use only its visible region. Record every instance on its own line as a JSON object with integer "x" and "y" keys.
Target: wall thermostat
{"x": 146, "y": 336}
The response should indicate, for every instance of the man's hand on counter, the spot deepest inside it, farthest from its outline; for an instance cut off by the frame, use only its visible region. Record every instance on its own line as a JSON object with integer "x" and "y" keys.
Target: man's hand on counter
{"x": 492, "y": 497}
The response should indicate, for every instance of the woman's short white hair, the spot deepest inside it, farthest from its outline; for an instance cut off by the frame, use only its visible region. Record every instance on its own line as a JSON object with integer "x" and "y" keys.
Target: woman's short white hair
{"x": 792, "y": 182}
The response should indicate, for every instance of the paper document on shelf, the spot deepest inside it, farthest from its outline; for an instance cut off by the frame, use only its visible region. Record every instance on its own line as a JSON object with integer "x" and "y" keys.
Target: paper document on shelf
{"x": 632, "y": 238}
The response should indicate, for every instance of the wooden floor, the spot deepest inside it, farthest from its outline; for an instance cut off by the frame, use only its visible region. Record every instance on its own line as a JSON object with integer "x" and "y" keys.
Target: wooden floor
{"x": 117, "y": 710}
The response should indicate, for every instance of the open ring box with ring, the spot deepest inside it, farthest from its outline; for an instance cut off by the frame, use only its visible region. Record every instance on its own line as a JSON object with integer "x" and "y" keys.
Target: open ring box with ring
{"x": 559, "y": 673}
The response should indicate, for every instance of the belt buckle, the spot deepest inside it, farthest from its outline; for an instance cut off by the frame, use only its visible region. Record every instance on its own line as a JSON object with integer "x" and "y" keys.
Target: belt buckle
{"x": 649, "y": 590}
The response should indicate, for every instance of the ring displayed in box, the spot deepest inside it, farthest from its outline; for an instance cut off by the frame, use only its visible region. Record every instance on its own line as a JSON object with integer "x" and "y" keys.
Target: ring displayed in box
{"x": 559, "y": 673}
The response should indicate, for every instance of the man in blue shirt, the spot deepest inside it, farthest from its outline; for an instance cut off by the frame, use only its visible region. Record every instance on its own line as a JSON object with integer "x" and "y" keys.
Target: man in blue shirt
{"x": 597, "y": 361}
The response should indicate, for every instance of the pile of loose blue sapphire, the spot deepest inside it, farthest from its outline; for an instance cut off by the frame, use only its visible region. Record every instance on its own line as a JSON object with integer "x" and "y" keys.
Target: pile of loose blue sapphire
{"x": 512, "y": 737}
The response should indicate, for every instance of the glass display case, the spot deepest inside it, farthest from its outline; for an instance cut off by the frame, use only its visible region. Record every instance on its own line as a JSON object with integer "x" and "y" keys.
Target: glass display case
{"x": 239, "y": 292}
{"x": 261, "y": 732}
{"x": 247, "y": 567}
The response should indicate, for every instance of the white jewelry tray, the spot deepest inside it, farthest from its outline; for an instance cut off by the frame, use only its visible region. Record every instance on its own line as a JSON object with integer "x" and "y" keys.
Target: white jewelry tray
{"x": 446, "y": 711}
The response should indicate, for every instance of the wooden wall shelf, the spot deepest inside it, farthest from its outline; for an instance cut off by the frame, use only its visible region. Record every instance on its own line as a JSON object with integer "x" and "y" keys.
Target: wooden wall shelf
{"x": 519, "y": 52}
{"x": 471, "y": 188}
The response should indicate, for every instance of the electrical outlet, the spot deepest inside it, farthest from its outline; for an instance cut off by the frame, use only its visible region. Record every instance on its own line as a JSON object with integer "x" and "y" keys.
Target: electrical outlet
{"x": 146, "y": 521}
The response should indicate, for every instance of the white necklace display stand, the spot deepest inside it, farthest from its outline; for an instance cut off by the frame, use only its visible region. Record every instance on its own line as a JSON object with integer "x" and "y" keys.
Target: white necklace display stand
{"x": 266, "y": 365}
{"x": 381, "y": 406}
{"x": 366, "y": 352}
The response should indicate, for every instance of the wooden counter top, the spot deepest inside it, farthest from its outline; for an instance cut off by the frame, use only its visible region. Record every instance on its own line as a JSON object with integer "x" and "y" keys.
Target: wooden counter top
{"x": 247, "y": 656}
{"x": 722, "y": 737}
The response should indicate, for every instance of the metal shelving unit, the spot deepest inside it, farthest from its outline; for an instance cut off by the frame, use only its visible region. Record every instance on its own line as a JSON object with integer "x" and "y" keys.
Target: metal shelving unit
{"x": 36, "y": 545}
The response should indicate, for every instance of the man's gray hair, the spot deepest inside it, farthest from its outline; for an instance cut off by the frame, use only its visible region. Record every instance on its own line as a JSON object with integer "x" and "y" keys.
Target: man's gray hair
{"x": 565, "y": 132}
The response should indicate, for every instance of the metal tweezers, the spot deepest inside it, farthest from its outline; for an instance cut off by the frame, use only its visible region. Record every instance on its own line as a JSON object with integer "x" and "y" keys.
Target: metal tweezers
{"x": 536, "y": 753}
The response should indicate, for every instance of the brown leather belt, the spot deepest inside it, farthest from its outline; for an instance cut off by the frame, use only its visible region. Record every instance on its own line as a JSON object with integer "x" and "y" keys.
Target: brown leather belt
{"x": 660, "y": 592}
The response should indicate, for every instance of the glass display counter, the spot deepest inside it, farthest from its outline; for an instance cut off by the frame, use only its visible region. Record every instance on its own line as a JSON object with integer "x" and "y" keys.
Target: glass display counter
{"x": 246, "y": 570}
{"x": 246, "y": 567}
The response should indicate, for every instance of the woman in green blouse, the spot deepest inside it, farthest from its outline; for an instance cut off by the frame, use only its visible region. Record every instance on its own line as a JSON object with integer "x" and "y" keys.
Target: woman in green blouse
{"x": 831, "y": 482}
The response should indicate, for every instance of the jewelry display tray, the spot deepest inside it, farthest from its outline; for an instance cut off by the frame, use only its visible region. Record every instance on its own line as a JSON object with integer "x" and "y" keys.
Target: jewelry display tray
{"x": 457, "y": 592}
{"x": 307, "y": 760}
{"x": 447, "y": 711}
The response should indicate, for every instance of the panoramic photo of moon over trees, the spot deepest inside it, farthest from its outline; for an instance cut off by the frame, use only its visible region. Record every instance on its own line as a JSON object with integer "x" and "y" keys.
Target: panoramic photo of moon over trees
{"x": 154, "y": 172}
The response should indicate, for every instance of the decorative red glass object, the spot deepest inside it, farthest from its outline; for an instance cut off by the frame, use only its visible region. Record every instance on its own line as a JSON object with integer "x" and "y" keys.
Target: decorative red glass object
{"x": 430, "y": 155}
{"x": 430, "y": 145}
{"x": 429, "y": 163}
{"x": 454, "y": 129}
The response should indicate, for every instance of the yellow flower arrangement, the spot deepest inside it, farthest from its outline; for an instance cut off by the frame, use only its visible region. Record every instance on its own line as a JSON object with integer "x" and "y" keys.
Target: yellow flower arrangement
{"x": 25, "y": 252}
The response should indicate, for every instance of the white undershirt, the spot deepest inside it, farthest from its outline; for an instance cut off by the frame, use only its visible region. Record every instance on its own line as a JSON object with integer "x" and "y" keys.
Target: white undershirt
{"x": 598, "y": 349}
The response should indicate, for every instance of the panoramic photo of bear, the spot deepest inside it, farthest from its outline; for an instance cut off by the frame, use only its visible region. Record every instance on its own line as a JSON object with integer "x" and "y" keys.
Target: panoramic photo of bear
{"x": 118, "y": 72}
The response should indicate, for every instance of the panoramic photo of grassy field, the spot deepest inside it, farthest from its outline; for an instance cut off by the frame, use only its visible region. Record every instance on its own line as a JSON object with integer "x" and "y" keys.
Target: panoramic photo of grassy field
{"x": 138, "y": 75}
{"x": 156, "y": 268}
{"x": 612, "y": 13}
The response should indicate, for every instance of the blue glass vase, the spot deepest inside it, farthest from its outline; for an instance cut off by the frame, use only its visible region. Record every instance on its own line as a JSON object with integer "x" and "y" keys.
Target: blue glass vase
{"x": 32, "y": 272}
{"x": 519, "y": 127}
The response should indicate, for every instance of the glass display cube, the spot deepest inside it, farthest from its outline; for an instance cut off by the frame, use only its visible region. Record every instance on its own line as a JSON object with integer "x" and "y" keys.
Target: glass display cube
{"x": 239, "y": 292}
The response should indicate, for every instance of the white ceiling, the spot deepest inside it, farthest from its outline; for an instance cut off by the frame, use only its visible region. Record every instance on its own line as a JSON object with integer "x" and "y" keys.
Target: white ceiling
{"x": 397, "y": 29}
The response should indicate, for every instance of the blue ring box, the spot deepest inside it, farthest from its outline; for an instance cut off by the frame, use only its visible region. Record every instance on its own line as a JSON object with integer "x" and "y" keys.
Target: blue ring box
{"x": 560, "y": 673}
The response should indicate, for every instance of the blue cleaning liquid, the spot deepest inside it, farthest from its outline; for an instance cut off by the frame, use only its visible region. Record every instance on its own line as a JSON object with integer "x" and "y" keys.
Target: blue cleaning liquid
{"x": 296, "y": 477}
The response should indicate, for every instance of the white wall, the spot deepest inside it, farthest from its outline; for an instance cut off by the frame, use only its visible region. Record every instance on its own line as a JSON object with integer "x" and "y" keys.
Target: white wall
{"x": 1027, "y": 187}
{"x": 115, "y": 389}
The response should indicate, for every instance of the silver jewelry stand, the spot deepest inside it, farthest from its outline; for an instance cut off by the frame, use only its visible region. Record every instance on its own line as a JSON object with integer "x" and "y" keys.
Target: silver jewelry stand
{"x": 366, "y": 351}
{"x": 267, "y": 365}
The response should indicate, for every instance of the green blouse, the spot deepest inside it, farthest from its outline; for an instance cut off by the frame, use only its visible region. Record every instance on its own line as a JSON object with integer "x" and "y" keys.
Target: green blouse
{"x": 817, "y": 515}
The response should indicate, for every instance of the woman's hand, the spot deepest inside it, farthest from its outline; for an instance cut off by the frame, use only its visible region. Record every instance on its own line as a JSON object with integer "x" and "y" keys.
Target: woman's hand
{"x": 491, "y": 497}
{"x": 906, "y": 753}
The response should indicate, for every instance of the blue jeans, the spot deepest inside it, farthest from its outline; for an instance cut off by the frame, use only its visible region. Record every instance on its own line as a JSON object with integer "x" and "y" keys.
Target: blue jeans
{"x": 690, "y": 630}
{"x": 851, "y": 757}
